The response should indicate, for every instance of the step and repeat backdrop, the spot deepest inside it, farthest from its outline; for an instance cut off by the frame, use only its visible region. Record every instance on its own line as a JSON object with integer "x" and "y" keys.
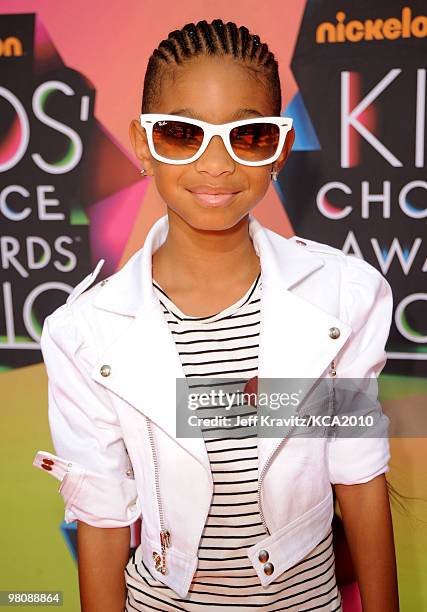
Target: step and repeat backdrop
{"x": 353, "y": 79}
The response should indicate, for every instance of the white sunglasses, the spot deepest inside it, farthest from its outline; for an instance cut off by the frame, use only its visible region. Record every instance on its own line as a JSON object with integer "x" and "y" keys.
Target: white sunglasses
{"x": 180, "y": 140}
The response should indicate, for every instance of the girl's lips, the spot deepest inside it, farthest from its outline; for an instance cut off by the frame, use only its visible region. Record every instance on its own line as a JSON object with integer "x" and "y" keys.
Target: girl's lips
{"x": 220, "y": 199}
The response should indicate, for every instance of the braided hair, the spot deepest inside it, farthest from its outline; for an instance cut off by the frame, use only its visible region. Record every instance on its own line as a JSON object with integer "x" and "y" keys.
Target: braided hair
{"x": 215, "y": 38}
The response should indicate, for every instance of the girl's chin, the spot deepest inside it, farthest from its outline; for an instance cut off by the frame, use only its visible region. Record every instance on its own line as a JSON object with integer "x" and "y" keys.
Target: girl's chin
{"x": 215, "y": 220}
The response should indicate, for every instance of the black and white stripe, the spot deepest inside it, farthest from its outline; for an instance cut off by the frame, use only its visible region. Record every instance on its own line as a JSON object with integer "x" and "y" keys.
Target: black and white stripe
{"x": 225, "y": 346}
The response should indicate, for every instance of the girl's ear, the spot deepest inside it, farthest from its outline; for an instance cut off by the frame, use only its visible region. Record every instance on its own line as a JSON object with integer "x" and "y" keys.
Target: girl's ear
{"x": 290, "y": 138}
{"x": 138, "y": 138}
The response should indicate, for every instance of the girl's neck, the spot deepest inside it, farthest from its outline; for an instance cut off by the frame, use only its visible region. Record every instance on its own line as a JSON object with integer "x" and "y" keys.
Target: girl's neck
{"x": 192, "y": 259}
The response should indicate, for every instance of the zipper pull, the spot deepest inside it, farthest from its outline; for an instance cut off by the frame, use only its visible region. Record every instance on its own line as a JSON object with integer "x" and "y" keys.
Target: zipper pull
{"x": 333, "y": 371}
{"x": 157, "y": 561}
{"x": 160, "y": 560}
{"x": 165, "y": 543}
{"x": 165, "y": 538}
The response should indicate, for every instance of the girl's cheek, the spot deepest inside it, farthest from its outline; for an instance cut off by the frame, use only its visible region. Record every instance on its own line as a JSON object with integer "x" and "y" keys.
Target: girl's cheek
{"x": 259, "y": 188}
{"x": 168, "y": 180}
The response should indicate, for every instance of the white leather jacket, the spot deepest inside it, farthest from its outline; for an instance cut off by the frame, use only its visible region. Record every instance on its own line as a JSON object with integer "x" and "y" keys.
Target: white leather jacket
{"x": 112, "y": 367}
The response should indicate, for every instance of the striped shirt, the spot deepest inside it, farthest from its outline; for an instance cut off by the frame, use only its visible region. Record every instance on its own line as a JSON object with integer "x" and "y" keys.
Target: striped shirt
{"x": 225, "y": 346}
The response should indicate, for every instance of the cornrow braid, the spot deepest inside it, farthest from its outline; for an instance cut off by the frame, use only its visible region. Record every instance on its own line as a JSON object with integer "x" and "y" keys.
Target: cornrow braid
{"x": 244, "y": 38}
{"x": 234, "y": 34}
{"x": 215, "y": 38}
{"x": 207, "y": 35}
{"x": 178, "y": 36}
{"x": 219, "y": 29}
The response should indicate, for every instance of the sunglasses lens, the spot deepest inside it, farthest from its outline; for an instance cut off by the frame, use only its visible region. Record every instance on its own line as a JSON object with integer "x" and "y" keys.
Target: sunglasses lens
{"x": 255, "y": 141}
{"x": 177, "y": 140}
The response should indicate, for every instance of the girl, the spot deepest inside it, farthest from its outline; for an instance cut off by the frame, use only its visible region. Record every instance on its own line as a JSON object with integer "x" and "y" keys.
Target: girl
{"x": 229, "y": 521}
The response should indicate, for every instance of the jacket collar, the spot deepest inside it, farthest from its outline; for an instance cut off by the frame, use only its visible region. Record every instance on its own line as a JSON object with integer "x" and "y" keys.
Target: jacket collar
{"x": 130, "y": 290}
{"x": 145, "y": 363}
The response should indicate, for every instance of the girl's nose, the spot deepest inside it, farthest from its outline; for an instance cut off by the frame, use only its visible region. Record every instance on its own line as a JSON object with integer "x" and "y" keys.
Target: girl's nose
{"x": 215, "y": 158}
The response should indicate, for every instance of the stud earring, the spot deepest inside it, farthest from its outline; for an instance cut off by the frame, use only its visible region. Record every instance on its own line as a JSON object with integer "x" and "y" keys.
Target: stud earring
{"x": 142, "y": 171}
{"x": 274, "y": 174}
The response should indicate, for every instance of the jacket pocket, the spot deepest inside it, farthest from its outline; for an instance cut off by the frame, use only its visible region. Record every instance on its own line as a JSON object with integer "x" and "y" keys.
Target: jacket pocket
{"x": 293, "y": 541}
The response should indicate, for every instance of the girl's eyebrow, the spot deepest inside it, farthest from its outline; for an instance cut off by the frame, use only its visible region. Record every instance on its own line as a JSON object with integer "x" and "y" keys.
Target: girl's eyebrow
{"x": 240, "y": 113}
{"x": 247, "y": 111}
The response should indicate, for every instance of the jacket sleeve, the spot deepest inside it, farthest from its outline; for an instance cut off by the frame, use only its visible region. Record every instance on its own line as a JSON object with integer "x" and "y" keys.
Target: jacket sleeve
{"x": 366, "y": 305}
{"x": 91, "y": 461}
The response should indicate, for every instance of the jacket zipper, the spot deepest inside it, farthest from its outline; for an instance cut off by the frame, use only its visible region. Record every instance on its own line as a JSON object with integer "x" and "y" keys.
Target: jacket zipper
{"x": 165, "y": 539}
{"x": 261, "y": 513}
{"x": 332, "y": 372}
{"x": 264, "y": 469}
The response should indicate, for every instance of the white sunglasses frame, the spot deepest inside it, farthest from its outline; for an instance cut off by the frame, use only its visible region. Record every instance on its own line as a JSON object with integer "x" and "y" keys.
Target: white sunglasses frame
{"x": 211, "y": 129}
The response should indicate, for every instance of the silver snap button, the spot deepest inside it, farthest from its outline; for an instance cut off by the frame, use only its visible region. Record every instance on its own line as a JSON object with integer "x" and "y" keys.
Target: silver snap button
{"x": 334, "y": 332}
{"x": 263, "y": 556}
{"x": 105, "y": 370}
{"x": 268, "y": 569}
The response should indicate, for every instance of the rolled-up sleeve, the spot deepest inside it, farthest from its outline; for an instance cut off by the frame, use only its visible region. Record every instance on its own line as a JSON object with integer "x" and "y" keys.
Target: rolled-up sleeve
{"x": 367, "y": 306}
{"x": 91, "y": 459}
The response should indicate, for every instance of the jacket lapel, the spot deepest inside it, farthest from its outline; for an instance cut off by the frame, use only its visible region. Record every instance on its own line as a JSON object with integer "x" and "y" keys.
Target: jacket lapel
{"x": 294, "y": 344}
{"x": 294, "y": 333}
{"x": 145, "y": 366}
{"x": 145, "y": 362}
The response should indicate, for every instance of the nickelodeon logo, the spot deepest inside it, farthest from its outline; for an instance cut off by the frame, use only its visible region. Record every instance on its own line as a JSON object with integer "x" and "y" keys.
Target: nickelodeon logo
{"x": 11, "y": 47}
{"x": 372, "y": 29}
